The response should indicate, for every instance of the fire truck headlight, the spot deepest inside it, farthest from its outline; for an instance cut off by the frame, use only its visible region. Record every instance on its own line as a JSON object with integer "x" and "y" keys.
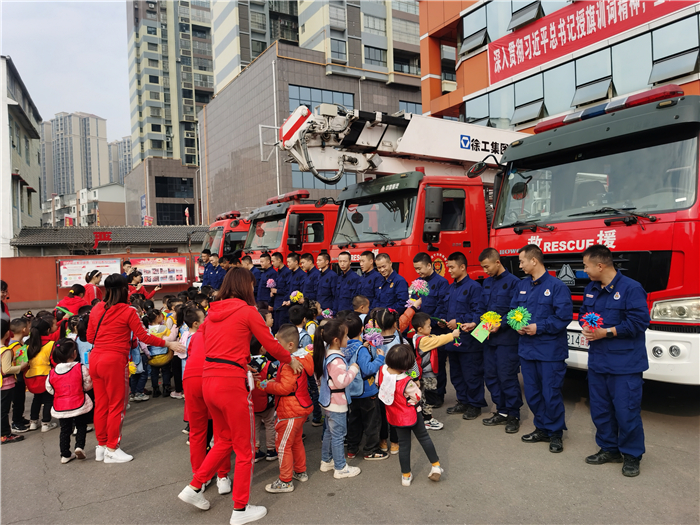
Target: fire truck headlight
{"x": 674, "y": 351}
{"x": 657, "y": 351}
{"x": 678, "y": 310}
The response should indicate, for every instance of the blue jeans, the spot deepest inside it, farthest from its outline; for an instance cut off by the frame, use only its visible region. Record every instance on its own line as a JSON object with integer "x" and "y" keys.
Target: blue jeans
{"x": 138, "y": 382}
{"x": 333, "y": 438}
{"x": 313, "y": 392}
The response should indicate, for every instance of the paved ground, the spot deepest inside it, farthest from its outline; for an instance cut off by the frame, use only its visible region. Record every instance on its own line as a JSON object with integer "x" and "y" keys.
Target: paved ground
{"x": 490, "y": 477}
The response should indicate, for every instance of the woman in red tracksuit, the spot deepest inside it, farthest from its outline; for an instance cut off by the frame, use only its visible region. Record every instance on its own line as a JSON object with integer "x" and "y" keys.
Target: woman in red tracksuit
{"x": 136, "y": 286}
{"x": 226, "y": 384}
{"x": 92, "y": 286}
{"x": 112, "y": 329}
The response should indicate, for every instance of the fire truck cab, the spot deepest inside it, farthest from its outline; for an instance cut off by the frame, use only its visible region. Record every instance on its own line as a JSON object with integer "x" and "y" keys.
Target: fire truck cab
{"x": 226, "y": 235}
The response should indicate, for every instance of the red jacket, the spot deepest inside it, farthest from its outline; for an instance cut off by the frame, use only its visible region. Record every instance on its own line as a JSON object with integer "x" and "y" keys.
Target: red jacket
{"x": 291, "y": 390}
{"x": 227, "y": 331}
{"x": 400, "y": 413}
{"x": 119, "y": 324}
{"x": 92, "y": 292}
{"x": 73, "y": 304}
{"x": 195, "y": 355}
{"x": 147, "y": 294}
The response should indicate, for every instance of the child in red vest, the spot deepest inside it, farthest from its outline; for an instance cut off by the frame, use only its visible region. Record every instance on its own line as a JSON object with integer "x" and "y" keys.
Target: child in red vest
{"x": 401, "y": 396}
{"x": 293, "y": 403}
{"x": 68, "y": 383}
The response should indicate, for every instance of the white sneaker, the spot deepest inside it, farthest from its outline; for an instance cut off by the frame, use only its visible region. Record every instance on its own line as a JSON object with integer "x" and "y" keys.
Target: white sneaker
{"x": 141, "y": 397}
{"x": 327, "y": 466}
{"x": 188, "y": 495}
{"x": 406, "y": 481}
{"x": 45, "y": 427}
{"x": 223, "y": 484}
{"x": 205, "y": 485}
{"x": 347, "y": 472}
{"x": 100, "y": 453}
{"x": 435, "y": 473}
{"x": 118, "y": 456}
{"x": 34, "y": 424}
{"x": 433, "y": 424}
{"x": 90, "y": 428}
{"x": 251, "y": 513}
{"x": 80, "y": 453}
{"x": 66, "y": 460}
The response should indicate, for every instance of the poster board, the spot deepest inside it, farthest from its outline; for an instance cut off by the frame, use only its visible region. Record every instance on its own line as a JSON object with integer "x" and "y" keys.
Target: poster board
{"x": 161, "y": 270}
{"x": 72, "y": 271}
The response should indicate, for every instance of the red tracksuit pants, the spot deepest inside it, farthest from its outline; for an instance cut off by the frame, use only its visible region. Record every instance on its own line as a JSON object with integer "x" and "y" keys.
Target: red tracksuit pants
{"x": 290, "y": 447}
{"x": 110, "y": 379}
{"x": 197, "y": 415}
{"x": 231, "y": 408}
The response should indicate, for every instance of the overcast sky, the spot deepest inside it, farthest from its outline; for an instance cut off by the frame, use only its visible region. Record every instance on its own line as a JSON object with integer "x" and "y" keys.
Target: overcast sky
{"x": 72, "y": 56}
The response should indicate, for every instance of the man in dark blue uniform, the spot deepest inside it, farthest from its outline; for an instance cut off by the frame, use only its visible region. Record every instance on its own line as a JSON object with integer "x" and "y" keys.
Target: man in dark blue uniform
{"x": 280, "y": 293}
{"x": 347, "y": 285}
{"x": 213, "y": 273}
{"x": 467, "y": 357}
{"x": 435, "y": 305}
{"x": 298, "y": 277}
{"x": 247, "y": 263}
{"x": 371, "y": 279}
{"x": 326, "y": 283}
{"x": 543, "y": 347}
{"x": 267, "y": 273}
{"x": 310, "y": 290}
{"x": 393, "y": 289}
{"x": 616, "y": 359}
{"x": 501, "y": 361}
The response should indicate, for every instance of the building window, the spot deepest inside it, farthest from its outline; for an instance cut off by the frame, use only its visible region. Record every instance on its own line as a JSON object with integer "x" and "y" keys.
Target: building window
{"x": 152, "y": 46}
{"x": 155, "y": 112}
{"x": 405, "y": 31}
{"x": 152, "y": 63}
{"x": 29, "y": 204}
{"x": 337, "y": 17}
{"x": 203, "y": 64}
{"x": 200, "y": 33}
{"x": 185, "y": 61}
{"x": 201, "y": 80}
{"x": 593, "y": 78}
{"x": 308, "y": 181}
{"x": 338, "y": 49}
{"x": 631, "y": 64}
{"x": 529, "y": 100}
{"x": 410, "y": 107}
{"x": 525, "y": 12}
{"x": 26, "y": 150}
{"x": 375, "y": 25}
{"x": 311, "y": 97}
{"x": 183, "y": 11}
{"x": 559, "y": 88}
{"x": 174, "y": 188}
{"x": 154, "y": 95}
{"x": 375, "y": 56}
{"x": 19, "y": 139}
{"x": 156, "y": 144}
{"x": 501, "y": 107}
{"x": 156, "y": 128}
{"x": 170, "y": 214}
{"x": 407, "y": 65}
{"x": 258, "y": 21}
{"x": 201, "y": 16}
{"x": 153, "y": 79}
{"x": 151, "y": 15}
{"x": 201, "y": 48}
{"x": 407, "y": 6}
{"x": 185, "y": 44}
{"x": 152, "y": 30}
{"x": 675, "y": 50}
{"x": 201, "y": 3}
{"x": 257, "y": 47}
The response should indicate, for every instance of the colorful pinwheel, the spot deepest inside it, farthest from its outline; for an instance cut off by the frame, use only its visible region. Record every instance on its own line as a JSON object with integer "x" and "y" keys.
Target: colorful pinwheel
{"x": 591, "y": 320}
{"x": 519, "y": 318}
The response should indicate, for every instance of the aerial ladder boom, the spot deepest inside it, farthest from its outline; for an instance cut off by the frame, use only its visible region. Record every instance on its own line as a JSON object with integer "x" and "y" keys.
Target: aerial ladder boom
{"x": 334, "y": 138}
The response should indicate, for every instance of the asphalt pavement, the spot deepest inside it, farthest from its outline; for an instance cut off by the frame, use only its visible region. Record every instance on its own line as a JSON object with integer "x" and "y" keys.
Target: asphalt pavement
{"x": 490, "y": 476}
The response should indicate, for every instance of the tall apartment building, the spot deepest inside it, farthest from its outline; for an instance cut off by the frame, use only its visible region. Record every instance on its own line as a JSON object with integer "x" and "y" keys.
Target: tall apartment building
{"x": 75, "y": 145}
{"x": 170, "y": 76}
{"x": 244, "y": 29}
{"x": 120, "y": 161}
{"x": 20, "y": 156}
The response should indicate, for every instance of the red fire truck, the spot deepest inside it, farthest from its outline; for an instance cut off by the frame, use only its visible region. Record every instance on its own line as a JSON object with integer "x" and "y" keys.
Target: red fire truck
{"x": 623, "y": 174}
{"x": 290, "y": 223}
{"x": 226, "y": 235}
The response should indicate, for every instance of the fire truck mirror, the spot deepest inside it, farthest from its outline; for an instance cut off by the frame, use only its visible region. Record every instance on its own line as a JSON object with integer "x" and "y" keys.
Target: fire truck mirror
{"x": 433, "y": 203}
{"x": 476, "y": 169}
{"x": 320, "y": 203}
{"x": 293, "y": 231}
{"x": 519, "y": 191}
{"x": 357, "y": 217}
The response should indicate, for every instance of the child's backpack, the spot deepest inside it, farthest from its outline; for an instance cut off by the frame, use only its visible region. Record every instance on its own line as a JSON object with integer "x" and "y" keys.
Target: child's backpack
{"x": 357, "y": 387}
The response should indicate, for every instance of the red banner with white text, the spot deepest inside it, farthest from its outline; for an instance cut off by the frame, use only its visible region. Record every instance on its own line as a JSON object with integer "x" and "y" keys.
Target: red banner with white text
{"x": 569, "y": 29}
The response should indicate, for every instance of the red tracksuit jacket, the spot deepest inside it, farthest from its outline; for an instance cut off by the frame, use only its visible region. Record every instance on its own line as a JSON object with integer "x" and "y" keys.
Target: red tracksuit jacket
{"x": 73, "y": 304}
{"x": 115, "y": 334}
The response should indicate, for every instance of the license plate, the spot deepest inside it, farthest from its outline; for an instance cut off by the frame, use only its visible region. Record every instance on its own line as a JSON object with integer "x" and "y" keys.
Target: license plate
{"x": 577, "y": 340}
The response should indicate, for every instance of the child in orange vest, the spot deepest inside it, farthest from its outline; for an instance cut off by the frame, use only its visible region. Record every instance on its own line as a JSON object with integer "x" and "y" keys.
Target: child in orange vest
{"x": 294, "y": 405}
{"x": 402, "y": 396}
{"x": 68, "y": 383}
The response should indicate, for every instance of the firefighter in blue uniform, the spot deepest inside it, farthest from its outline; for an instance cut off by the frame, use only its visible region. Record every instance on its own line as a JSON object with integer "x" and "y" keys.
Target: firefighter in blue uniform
{"x": 213, "y": 273}
{"x": 616, "y": 359}
{"x": 348, "y": 283}
{"x": 310, "y": 290}
{"x": 297, "y": 280}
{"x": 543, "y": 347}
{"x": 467, "y": 357}
{"x": 326, "y": 283}
{"x": 280, "y": 294}
{"x": 267, "y": 272}
{"x": 247, "y": 262}
{"x": 501, "y": 361}
{"x": 435, "y": 305}
{"x": 371, "y": 279}
{"x": 393, "y": 289}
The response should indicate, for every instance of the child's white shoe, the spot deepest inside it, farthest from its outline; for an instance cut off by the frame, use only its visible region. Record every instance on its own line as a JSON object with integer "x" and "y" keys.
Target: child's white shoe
{"x": 117, "y": 456}
{"x": 34, "y": 424}
{"x": 347, "y": 472}
{"x": 45, "y": 427}
{"x": 435, "y": 473}
{"x": 251, "y": 513}
{"x": 433, "y": 424}
{"x": 79, "y": 453}
{"x": 66, "y": 460}
{"x": 223, "y": 484}
{"x": 406, "y": 481}
{"x": 100, "y": 453}
{"x": 327, "y": 466}
{"x": 189, "y": 495}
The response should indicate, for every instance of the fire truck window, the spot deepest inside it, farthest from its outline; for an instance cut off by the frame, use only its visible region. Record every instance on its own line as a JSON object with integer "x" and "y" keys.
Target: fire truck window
{"x": 313, "y": 231}
{"x": 453, "y": 218}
